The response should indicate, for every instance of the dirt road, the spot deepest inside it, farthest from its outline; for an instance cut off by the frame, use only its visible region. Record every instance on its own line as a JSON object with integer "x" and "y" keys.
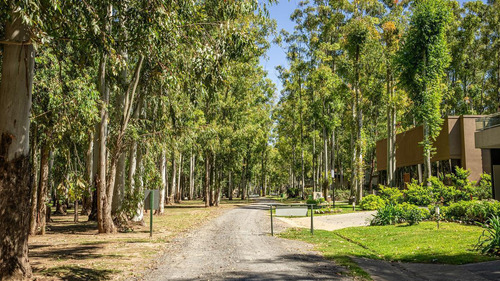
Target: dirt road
{"x": 237, "y": 246}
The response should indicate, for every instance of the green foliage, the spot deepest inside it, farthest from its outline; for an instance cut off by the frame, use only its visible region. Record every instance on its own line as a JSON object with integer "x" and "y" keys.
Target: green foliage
{"x": 399, "y": 213}
{"x": 471, "y": 211}
{"x": 489, "y": 241}
{"x": 387, "y": 215}
{"x": 391, "y": 195}
{"x": 418, "y": 194}
{"x": 372, "y": 202}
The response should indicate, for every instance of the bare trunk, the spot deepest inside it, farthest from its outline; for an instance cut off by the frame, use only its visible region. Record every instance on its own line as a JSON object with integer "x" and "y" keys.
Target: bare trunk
{"x": 119, "y": 189}
{"x": 427, "y": 155}
{"x": 191, "y": 176}
{"x": 42, "y": 189}
{"x": 87, "y": 197}
{"x": 206, "y": 186}
{"x": 75, "y": 218}
{"x": 163, "y": 175}
{"x": 174, "y": 179}
{"x": 230, "y": 187}
{"x": 34, "y": 194}
{"x": 15, "y": 169}
{"x": 178, "y": 195}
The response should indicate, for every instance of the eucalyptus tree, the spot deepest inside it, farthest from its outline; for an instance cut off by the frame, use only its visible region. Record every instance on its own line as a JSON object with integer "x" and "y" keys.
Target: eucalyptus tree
{"x": 423, "y": 59}
{"x": 360, "y": 36}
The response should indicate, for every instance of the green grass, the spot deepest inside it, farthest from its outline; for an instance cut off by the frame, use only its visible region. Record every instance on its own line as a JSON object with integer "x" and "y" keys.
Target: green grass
{"x": 423, "y": 243}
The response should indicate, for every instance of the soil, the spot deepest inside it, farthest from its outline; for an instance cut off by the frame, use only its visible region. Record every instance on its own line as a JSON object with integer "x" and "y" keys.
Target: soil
{"x": 238, "y": 246}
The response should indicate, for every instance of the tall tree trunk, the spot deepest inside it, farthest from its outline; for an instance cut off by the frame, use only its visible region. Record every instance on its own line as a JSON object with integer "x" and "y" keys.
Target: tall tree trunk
{"x": 119, "y": 189}
{"x": 15, "y": 170}
{"x": 87, "y": 197}
{"x": 163, "y": 175}
{"x": 230, "y": 186}
{"x": 42, "y": 188}
{"x": 191, "y": 175}
{"x": 104, "y": 220}
{"x": 206, "y": 185}
{"x": 34, "y": 191}
{"x": 325, "y": 163}
{"x": 174, "y": 178}
{"x": 138, "y": 187}
{"x": 178, "y": 195}
{"x": 427, "y": 155}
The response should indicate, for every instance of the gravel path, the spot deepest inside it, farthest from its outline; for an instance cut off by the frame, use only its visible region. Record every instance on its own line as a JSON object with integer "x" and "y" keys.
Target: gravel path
{"x": 332, "y": 222}
{"x": 237, "y": 246}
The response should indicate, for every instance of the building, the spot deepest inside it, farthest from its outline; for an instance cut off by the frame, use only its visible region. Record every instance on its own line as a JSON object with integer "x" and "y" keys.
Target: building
{"x": 455, "y": 146}
{"x": 487, "y": 138}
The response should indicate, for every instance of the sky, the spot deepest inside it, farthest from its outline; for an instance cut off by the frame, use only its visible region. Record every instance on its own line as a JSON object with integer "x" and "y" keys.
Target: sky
{"x": 276, "y": 55}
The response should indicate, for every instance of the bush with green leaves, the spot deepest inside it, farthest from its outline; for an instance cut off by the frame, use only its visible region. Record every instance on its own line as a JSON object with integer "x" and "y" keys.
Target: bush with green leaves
{"x": 413, "y": 214}
{"x": 387, "y": 215}
{"x": 482, "y": 190}
{"x": 372, "y": 202}
{"x": 400, "y": 213}
{"x": 489, "y": 241}
{"x": 390, "y": 194}
{"x": 471, "y": 211}
{"x": 418, "y": 194}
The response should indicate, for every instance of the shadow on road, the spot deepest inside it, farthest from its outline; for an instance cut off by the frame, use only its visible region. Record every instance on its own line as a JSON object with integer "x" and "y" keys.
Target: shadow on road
{"x": 295, "y": 267}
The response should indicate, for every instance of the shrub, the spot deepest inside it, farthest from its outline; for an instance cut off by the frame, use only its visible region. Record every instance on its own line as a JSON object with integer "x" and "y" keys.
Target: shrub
{"x": 372, "y": 202}
{"x": 390, "y": 195}
{"x": 489, "y": 241}
{"x": 418, "y": 194}
{"x": 413, "y": 214}
{"x": 472, "y": 211}
{"x": 310, "y": 200}
{"x": 481, "y": 190}
{"x": 341, "y": 194}
{"x": 389, "y": 214}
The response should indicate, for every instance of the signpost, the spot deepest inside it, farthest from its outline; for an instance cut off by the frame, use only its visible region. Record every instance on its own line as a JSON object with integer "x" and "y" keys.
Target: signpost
{"x": 151, "y": 202}
{"x": 291, "y": 211}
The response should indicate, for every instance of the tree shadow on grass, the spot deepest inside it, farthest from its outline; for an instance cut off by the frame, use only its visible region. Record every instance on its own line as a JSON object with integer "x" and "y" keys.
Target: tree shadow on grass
{"x": 83, "y": 252}
{"x": 88, "y": 227}
{"x": 76, "y": 273}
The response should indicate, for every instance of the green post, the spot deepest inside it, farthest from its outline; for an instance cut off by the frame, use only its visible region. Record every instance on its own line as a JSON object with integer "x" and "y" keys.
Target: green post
{"x": 312, "y": 224}
{"x": 272, "y": 226}
{"x": 151, "y": 201}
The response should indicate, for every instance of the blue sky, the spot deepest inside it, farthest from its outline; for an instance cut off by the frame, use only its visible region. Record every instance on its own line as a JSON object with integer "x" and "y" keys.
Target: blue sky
{"x": 276, "y": 55}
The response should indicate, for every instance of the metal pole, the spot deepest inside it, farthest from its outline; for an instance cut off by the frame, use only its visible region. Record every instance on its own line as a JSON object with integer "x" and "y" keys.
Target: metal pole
{"x": 151, "y": 200}
{"x": 272, "y": 227}
{"x": 312, "y": 224}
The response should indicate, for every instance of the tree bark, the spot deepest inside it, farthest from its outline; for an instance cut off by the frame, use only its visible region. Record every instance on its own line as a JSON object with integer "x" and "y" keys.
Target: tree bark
{"x": 87, "y": 197}
{"x": 206, "y": 186}
{"x": 42, "y": 189}
{"x": 191, "y": 175}
{"x": 171, "y": 196}
{"x": 163, "y": 175}
{"x": 178, "y": 195}
{"x": 15, "y": 169}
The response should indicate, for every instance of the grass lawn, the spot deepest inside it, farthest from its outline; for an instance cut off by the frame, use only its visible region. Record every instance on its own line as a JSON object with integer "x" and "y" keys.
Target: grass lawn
{"x": 74, "y": 251}
{"x": 451, "y": 244}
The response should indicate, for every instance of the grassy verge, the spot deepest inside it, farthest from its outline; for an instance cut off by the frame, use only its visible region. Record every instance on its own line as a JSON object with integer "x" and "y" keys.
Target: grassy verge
{"x": 423, "y": 243}
{"x": 74, "y": 251}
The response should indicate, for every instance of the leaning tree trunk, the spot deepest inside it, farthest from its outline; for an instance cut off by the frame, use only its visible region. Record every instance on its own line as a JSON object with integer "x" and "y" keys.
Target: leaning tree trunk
{"x": 15, "y": 170}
